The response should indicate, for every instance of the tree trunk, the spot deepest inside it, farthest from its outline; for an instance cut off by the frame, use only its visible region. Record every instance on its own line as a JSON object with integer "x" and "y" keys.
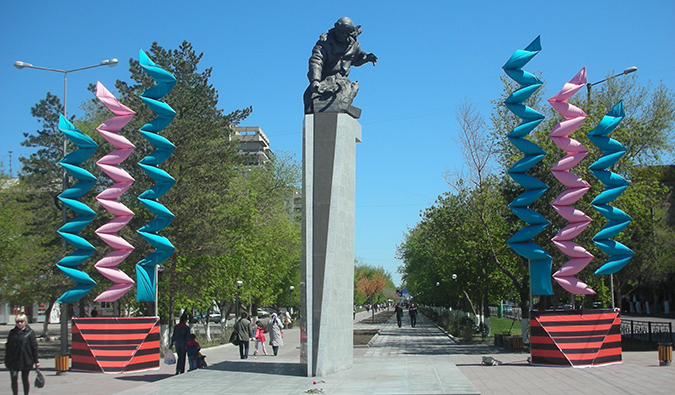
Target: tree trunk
{"x": 172, "y": 293}
{"x": 208, "y": 322}
{"x": 473, "y": 309}
{"x": 525, "y": 302}
{"x": 48, "y": 313}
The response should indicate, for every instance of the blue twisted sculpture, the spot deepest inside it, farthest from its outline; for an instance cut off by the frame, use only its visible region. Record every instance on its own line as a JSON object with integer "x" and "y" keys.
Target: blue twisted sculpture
{"x": 145, "y": 268}
{"x": 617, "y": 220}
{"x": 521, "y": 242}
{"x": 70, "y": 230}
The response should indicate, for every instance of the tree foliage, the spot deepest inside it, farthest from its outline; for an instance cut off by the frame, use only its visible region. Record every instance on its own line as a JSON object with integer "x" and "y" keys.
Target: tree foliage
{"x": 372, "y": 284}
{"x": 465, "y": 231}
{"x": 231, "y": 221}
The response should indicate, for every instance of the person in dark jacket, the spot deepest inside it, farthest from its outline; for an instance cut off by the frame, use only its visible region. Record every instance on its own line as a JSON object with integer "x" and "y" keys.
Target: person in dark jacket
{"x": 180, "y": 336}
{"x": 21, "y": 353}
{"x": 412, "y": 312}
{"x": 399, "y": 314}
{"x": 243, "y": 329}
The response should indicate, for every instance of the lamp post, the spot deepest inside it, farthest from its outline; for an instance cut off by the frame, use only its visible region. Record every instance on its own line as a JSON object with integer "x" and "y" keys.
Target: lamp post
{"x": 290, "y": 291}
{"x": 438, "y": 284}
{"x": 21, "y": 65}
{"x": 239, "y": 284}
{"x": 454, "y": 278}
{"x": 590, "y": 85}
{"x": 158, "y": 269}
{"x": 588, "y": 103}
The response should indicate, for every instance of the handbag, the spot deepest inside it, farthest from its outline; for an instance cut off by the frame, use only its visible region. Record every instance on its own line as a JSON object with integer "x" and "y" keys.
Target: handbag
{"x": 234, "y": 338}
{"x": 39, "y": 379}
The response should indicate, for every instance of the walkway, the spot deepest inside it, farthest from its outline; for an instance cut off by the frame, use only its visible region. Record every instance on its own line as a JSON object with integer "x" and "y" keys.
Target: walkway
{"x": 421, "y": 360}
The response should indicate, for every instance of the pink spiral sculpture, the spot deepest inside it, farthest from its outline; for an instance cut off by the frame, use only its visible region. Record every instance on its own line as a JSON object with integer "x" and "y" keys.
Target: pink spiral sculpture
{"x": 109, "y": 197}
{"x": 576, "y": 187}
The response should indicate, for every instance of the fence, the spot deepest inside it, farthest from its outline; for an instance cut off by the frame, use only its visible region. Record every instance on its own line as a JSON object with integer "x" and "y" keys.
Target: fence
{"x": 513, "y": 313}
{"x": 659, "y": 332}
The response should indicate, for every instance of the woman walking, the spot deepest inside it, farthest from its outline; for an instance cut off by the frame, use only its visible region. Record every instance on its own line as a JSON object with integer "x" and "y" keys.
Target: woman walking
{"x": 21, "y": 353}
{"x": 274, "y": 328}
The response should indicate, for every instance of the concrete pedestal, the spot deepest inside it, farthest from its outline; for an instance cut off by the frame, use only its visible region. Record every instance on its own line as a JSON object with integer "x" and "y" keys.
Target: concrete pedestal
{"x": 329, "y": 172}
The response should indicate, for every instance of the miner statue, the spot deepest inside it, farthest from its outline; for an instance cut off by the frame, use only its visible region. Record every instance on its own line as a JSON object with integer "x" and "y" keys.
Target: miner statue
{"x": 333, "y": 55}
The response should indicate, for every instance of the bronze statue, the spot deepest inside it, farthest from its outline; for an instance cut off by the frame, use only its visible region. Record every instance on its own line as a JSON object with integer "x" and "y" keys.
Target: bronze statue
{"x": 336, "y": 51}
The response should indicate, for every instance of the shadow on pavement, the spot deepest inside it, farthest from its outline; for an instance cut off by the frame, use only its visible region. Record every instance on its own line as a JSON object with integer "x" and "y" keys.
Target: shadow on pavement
{"x": 275, "y": 368}
{"x": 147, "y": 377}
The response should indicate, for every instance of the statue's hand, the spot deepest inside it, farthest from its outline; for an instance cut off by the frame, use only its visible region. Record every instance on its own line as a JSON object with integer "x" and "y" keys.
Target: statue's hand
{"x": 314, "y": 86}
{"x": 371, "y": 58}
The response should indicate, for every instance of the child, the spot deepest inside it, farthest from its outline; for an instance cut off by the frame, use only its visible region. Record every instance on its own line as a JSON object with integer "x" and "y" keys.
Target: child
{"x": 192, "y": 349}
{"x": 259, "y": 338}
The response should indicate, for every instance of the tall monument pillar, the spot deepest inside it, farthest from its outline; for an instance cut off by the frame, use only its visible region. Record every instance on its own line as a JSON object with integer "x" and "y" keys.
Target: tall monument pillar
{"x": 330, "y": 134}
{"x": 329, "y": 172}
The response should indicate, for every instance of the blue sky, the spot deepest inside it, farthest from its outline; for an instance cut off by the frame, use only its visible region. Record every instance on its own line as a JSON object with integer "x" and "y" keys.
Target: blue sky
{"x": 432, "y": 55}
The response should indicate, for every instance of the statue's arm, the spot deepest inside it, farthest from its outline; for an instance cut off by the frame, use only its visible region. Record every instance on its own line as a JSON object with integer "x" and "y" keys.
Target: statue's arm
{"x": 316, "y": 66}
{"x": 362, "y": 58}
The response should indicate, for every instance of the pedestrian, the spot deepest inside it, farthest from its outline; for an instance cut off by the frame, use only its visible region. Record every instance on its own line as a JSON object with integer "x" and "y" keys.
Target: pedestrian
{"x": 94, "y": 313}
{"x": 412, "y": 312}
{"x": 192, "y": 349}
{"x": 243, "y": 329}
{"x": 21, "y": 353}
{"x": 259, "y": 337}
{"x": 288, "y": 321}
{"x": 180, "y": 336}
{"x": 399, "y": 314}
{"x": 274, "y": 327}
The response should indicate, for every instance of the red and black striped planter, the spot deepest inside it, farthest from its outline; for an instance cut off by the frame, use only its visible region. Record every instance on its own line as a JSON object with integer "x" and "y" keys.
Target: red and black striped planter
{"x": 115, "y": 345}
{"x": 575, "y": 338}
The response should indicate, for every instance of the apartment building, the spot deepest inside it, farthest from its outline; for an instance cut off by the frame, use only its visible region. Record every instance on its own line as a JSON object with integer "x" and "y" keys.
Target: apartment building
{"x": 254, "y": 144}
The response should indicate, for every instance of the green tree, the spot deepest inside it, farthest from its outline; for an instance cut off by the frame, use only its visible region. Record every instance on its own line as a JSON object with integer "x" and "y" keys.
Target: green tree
{"x": 464, "y": 232}
{"x": 204, "y": 164}
{"x": 36, "y": 214}
{"x": 372, "y": 284}
{"x": 646, "y": 131}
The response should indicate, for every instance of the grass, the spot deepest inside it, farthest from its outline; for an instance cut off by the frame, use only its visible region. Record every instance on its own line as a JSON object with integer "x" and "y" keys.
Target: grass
{"x": 502, "y": 325}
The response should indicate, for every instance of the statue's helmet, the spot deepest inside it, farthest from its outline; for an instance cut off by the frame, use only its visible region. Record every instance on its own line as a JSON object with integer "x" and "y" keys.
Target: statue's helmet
{"x": 345, "y": 23}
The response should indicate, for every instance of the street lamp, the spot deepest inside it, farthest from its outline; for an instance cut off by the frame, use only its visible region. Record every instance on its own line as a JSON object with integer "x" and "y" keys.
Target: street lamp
{"x": 588, "y": 102}
{"x": 454, "y": 278}
{"x": 158, "y": 269}
{"x": 438, "y": 284}
{"x": 290, "y": 291}
{"x": 239, "y": 284}
{"x": 21, "y": 65}
{"x": 590, "y": 85}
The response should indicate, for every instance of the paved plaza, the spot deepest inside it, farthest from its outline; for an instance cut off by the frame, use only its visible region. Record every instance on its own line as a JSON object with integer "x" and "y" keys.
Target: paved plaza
{"x": 421, "y": 360}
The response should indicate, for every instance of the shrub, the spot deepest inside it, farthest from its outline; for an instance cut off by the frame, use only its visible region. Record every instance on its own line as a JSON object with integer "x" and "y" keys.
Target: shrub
{"x": 467, "y": 328}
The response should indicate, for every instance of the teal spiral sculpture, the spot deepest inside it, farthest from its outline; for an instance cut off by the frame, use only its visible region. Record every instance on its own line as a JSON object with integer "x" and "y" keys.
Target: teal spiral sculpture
{"x": 145, "y": 268}
{"x": 521, "y": 242}
{"x": 84, "y": 215}
{"x": 617, "y": 220}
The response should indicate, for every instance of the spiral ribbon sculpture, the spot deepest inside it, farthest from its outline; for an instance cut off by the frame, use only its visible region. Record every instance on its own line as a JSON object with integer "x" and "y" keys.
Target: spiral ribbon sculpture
{"x": 576, "y": 187}
{"x": 70, "y": 231}
{"x": 617, "y": 220}
{"x": 521, "y": 242}
{"x": 145, "y": 268}
{"x": 109, "y": 198}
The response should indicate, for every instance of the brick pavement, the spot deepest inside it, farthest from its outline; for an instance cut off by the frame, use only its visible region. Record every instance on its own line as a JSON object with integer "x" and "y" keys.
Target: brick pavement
{"x": 422, "y": 360}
